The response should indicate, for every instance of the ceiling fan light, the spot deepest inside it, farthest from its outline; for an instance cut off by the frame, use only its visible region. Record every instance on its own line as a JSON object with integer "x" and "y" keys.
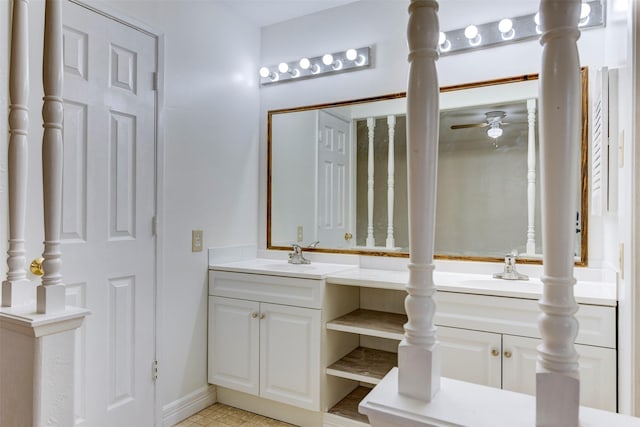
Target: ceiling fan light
{"x": 494, "y": 132}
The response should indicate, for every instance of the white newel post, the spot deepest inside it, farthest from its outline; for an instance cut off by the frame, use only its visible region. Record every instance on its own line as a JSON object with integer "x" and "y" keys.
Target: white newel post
{"x": 391, "y": 124}
{"x": 371, "y": 125}
{"x": 557, "y": 378}
{"x": 51, "y": 294}
{"x": 37, "y": 347}
{"x": 17, "y": 290}
{"x": 531, "y": 177}
{"x": 418, "y": 352}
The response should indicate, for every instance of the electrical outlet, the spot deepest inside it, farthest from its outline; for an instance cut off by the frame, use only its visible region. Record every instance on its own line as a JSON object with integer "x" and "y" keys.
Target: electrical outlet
{"x": 196, "y": 240}
{"x": 300, "y": 236}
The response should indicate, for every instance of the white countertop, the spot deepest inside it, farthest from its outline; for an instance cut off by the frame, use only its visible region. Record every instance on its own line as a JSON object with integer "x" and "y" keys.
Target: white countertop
{"x": 597, "y": 293}
{"x": 586, "y": 292}
{"x": 315, "y": 270}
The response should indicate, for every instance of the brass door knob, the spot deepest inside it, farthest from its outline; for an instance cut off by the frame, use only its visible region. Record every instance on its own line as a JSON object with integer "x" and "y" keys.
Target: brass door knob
{"x": 36, "y": 266}
{"x": 495, "y": 352}
{"x": 507, "y": 354}
{"x": 348, "y": 236}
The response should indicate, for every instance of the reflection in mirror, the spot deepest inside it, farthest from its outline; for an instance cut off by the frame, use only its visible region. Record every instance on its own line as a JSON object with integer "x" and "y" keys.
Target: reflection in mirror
{"x": 338, "y": 175}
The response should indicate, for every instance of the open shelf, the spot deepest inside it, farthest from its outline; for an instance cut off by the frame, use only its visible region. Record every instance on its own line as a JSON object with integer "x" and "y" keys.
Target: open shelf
{"x": 373, "y": 323}
{"x": 365, "y": 365}
{"x": 348, "y": 407}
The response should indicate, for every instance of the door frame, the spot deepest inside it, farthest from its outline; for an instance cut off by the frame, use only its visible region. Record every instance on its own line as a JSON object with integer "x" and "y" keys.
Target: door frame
{"x": 122, "y": 18}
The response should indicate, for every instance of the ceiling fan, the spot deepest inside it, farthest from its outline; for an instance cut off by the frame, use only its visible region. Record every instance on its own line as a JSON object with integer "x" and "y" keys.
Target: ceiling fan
{"x": 493, "y": 119}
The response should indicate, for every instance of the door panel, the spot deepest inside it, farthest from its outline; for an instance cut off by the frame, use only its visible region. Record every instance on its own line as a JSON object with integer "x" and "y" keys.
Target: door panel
{"x": 234, "y": 347}
{"x": 333, "y": 179}
{"x": 471, "y": 356}
{"x": 290, "y": 355}
{"x": 597, "y": 371}
{"x": 108, "y": 206}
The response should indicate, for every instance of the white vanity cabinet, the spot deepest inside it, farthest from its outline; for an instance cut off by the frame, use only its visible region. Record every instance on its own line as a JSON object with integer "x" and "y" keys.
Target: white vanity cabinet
{"x": 264, "y": 336}
{"x": 509, "y": 362}
{"x": 485, "y": 339}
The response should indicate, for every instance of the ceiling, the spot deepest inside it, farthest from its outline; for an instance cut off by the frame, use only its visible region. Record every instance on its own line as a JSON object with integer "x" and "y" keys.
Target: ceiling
{"x": 268, "y": 12}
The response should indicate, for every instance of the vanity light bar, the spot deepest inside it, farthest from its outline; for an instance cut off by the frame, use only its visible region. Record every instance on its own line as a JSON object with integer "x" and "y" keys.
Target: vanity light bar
{"x": 304, "y": 68}
{"x": 510, "y": 30}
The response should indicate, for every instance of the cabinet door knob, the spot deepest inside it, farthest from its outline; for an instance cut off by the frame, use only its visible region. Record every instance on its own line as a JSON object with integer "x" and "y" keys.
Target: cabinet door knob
{"x": 495, "y": 352}
{"x": 262, "y": 316}
{"x": 507, "y": 354}
{"x": 254, "y": 314}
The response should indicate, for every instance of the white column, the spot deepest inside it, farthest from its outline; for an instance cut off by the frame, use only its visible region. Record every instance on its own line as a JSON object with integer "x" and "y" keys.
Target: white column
{"x": 17, "y": 290}
{"x": 371, "y": 125}
{"x": 51, "y": 295}
{"x": 391, "y": 124}
{"x": 557, "y": 378}
{"x": 37, "y": 369}
{"x": 531, "y": 177}
{"x": 419, "y": 353}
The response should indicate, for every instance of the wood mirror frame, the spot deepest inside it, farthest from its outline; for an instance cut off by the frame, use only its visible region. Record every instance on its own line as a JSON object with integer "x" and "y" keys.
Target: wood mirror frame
{"x": 584, "y": 213}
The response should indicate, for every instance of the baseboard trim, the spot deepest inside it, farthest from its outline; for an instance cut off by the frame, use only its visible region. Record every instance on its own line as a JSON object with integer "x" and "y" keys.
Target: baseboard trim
{"x": 192, "y": 403}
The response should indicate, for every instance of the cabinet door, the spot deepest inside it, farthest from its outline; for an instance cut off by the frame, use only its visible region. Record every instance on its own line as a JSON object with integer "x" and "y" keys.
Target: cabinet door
{"x": 470, "y": 356}
{"x": 597, "y": 371}
{"x": 290, "y": 355}
{"x": 234, "y": 329}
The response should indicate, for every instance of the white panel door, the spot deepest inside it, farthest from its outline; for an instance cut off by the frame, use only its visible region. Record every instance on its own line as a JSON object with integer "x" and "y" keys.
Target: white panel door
{"x": 290, "y": 355}
{"x": 471, "y": 356}
{"x": 108, "y": 206}
{"x": 334, "y": 197}
{"x": 598, "y": 387}
{"x": 234, "y": 344}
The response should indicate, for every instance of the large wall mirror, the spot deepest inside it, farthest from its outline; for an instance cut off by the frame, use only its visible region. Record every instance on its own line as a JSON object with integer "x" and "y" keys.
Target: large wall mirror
{"x": 337, "y": 174}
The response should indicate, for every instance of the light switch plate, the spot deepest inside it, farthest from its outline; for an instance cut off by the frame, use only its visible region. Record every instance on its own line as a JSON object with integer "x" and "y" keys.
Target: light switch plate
{"x": 196, "y": 240}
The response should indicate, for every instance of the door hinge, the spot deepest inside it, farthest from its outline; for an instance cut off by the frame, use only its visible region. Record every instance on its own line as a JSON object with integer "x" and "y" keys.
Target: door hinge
{"x": 154, "y": 370}
{"x": 155, "y": 81}
{"x": 154, "y": 225}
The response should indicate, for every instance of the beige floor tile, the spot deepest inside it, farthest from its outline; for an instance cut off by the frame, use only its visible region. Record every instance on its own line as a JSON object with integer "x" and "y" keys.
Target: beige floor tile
{"x": 219, "y": 415}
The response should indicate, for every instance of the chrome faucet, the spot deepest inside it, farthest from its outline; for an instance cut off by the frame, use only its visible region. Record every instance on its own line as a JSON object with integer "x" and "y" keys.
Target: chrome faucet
{"x": 510, "y": 272}
{"x": 296, "y": 257}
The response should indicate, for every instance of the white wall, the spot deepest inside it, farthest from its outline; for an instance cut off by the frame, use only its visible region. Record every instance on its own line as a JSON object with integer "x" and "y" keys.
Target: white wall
{"x": 210, "y": 136}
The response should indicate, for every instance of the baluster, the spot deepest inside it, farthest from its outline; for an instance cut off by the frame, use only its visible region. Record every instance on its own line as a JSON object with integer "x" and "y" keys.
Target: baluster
{"x": 557, "y": 377}
{"x": 418, "y": 353}
{"x": 391, "y": 124}
{"x": 531, "y": 177}
{"x": 51, "y": 297}
{"x": 371, "y": 125}
{"x": 17, "y": 289}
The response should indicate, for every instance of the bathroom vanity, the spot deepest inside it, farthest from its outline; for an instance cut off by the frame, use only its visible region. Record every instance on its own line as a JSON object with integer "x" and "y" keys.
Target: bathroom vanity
{"x": 304, "y": 343}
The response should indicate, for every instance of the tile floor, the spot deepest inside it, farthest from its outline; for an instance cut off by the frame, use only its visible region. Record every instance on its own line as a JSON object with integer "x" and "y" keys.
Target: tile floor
{"x": 219, "y": 415}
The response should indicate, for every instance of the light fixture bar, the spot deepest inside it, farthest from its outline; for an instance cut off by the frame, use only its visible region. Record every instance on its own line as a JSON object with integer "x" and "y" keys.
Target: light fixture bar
{"x": 304, "y": 68}
{"x": 518, "y": 28}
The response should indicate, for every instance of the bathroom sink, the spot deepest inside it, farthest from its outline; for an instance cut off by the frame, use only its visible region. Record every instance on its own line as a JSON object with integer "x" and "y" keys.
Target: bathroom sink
{"x": 315, "y": 270}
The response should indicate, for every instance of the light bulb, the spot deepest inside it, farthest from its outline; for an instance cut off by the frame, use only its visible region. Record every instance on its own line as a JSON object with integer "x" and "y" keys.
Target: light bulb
{"x": 283, "y": 67}
{"x": 585, "y": 10}
{"x": 494, "y": 132}
{"x": 264, "y": 72}
{"x": 505, "y": 25}
{"x": 471, "y": 32}
{"x": 536, "y": 20}
{"x": 506, "y": 29}
{"x": 305, "y": 63}
{"x": 444, "y": 44}
{"x": 327, "y": 59}
{"x": 351, "y": 54}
